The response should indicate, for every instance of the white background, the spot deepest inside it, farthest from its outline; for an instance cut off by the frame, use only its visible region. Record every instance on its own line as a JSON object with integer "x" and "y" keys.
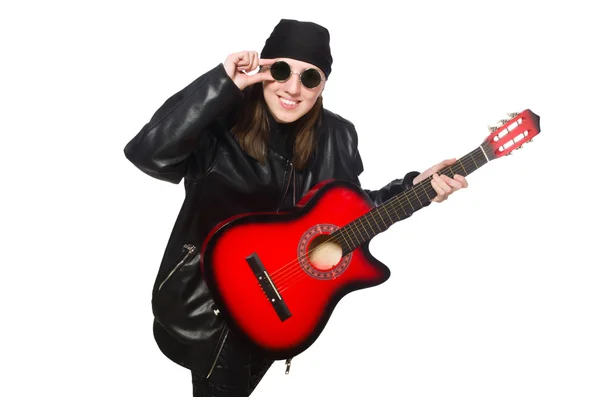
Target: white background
{"x": 493, "y": 292}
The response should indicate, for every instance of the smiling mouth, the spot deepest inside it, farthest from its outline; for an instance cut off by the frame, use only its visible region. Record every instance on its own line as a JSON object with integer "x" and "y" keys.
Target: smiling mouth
{"x": 287, "y": 103}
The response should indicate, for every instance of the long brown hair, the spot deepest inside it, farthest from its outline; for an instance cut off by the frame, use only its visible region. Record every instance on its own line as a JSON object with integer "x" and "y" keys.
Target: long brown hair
{"x": 251, "y": 128}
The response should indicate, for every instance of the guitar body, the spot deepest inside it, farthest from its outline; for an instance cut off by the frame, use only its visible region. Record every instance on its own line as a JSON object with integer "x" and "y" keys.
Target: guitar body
{"x": 305, "y": 272}
{"x": 277, "y": 277}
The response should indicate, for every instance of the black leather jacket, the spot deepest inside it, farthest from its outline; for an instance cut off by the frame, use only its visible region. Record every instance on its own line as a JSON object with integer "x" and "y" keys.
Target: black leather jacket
{"x": 189, "y": 138}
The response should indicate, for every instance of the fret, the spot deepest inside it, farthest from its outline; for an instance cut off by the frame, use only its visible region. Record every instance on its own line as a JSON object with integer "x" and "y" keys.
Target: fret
{"x": 369, "y": 223}
{"x": 373, "y": 213}
{"x": 346, "y": 238}
{"x": 345, "y": 231}
{"x": 388, "y": 214}
{"x": 419, "y": 200}
{"x": 473, "y": 159}
{"x": 463, "y": 167}
{"x": 352, "y": 230}
{"x": 381, "y": 216}
{"x": 425, "y": 191}
{"x": 346, "y": 246}
{"x": 395, "y": 209}
{"x": 342, "y": 233}
{"x": 401, "y": 205}
{"x": 411, "y": 206}
{"x": 375, "y": 220}
{"x": 360, "y": 222}
{"x": 390, "y": 205}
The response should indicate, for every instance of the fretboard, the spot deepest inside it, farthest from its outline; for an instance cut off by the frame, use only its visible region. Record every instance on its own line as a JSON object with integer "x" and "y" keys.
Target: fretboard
{"x": 404, "y": 204}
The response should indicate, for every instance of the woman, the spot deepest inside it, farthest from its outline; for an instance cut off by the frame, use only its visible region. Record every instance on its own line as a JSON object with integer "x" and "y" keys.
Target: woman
{"x": 244, "y": 141}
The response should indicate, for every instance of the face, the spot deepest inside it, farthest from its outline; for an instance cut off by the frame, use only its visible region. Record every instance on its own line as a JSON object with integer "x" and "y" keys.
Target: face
{"x": 290, "y": 100}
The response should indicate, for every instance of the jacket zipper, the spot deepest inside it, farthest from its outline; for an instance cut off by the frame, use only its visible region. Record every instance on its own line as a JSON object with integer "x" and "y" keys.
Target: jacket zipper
{"x": 212, "y": 367}
{"x": 293, "y": 188}
{"x": 287, "y": 186}
{"x": 288, "y": 362}
{"x": 191, "y": 249}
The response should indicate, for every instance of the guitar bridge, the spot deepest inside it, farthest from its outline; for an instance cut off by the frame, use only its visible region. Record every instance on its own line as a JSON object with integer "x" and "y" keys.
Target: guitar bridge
{"x": 271, "y": 292}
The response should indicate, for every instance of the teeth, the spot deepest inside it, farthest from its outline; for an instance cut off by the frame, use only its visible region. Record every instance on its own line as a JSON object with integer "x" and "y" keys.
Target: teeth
{"x": 288, "y": 102}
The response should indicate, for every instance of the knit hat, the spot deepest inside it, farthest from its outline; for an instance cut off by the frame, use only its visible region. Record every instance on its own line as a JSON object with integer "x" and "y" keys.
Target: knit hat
{"x": 303, "y": 41}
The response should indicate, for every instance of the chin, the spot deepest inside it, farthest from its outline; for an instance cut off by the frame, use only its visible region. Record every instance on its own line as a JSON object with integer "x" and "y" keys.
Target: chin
{"x": 283, "y": 116}
{"x": 286, "y": 118}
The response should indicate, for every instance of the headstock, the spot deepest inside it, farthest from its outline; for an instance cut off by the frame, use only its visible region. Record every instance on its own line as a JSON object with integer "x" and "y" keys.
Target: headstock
{"x": 511, "y": 133}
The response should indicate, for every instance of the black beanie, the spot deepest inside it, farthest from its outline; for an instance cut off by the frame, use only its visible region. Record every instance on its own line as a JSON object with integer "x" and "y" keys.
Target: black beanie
{"x": 304, "y": 41}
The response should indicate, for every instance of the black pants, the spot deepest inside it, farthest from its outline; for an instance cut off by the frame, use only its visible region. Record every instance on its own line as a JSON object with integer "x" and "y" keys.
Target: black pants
{"x": 236, "y": 373}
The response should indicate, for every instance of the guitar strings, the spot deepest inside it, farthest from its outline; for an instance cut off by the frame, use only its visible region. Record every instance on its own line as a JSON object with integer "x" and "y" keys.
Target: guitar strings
{"x": 291, "y": 271}
{"x": 284, "y": 279}
{"x": 361, "y": 223}
{"x": 293, "y": 276}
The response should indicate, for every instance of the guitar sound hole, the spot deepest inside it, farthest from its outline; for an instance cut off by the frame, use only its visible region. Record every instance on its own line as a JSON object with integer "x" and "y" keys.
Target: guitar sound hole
{"x": 319, "y": 256}
{"x": 324, "y": 253}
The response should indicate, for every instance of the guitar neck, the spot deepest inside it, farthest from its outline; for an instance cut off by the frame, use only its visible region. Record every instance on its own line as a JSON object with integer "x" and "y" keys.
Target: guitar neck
{"x": 404, "y": 204}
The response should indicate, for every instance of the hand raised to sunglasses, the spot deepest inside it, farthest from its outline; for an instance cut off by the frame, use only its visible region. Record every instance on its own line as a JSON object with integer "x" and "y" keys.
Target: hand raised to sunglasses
{"x": 238, "y": 64}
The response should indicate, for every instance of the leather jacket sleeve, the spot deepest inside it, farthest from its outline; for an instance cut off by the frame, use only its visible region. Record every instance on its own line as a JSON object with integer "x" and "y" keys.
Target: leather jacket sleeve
{"x": 163, "y": 147}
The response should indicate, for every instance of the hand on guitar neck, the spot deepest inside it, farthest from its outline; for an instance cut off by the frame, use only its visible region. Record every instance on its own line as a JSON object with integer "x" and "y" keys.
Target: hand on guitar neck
{"x": 277, "y": 277}
{"x": 443, "y": 185}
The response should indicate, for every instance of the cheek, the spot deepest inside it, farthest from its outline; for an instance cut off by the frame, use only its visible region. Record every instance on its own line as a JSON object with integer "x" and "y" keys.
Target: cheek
{"x": 270, "y": 97}
{"x": 266, "y": 89}
{"x": 312, "y": 95}
{"x": 309, "y": 101}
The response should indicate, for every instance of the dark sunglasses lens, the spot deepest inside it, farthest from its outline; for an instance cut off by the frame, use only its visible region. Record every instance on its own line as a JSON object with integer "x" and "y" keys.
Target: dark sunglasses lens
{"x": 311, "y": 78}
{"x": 280, "y": 70}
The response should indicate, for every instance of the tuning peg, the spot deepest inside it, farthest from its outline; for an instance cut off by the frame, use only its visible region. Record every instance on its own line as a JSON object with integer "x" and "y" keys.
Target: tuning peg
{"x": 503, "y": 121}
{"x": 511, "y": 115}
{"x": 492, "y": 128}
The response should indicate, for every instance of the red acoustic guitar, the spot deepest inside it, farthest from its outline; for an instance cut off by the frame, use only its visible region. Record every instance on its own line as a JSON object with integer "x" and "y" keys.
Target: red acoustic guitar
{"x": 277, "y": 277}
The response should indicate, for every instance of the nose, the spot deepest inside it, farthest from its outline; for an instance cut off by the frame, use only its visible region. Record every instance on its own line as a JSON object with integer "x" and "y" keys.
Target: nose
{"x": 293, "y": 84}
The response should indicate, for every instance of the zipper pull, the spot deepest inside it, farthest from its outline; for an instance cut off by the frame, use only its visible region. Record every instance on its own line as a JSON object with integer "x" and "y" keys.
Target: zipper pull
{"x": 288, "y": 364}
{"x": 294, "y": 187}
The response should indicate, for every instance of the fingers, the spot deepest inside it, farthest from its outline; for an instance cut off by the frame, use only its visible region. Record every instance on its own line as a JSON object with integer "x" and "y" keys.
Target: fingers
{"x": 462, "y": 180}
{"x": 247, "y": 61}
{"x": 244, "y": 68}
{"x": 441, "y": 188}
{"x": 266, "y": 62}
{"x": 263, "y": 75}
{"x": 244, "y": 61}
{"x": 442, "y": 184}
{"x": 445, "y": 186}
{"x": 452, "y": 183}
{"x": 443, "y": 164}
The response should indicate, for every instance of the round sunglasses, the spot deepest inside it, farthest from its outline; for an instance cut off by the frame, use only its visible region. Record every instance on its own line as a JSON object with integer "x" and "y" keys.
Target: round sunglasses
{"x": 281, "y": 72}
